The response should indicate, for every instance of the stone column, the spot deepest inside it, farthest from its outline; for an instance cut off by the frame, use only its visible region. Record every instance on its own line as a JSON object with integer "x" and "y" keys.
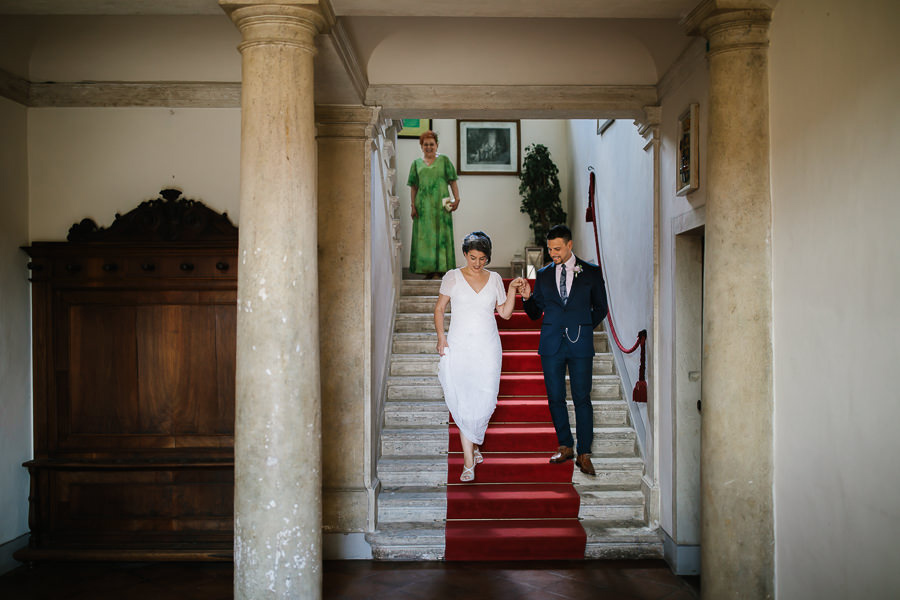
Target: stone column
{"x": 737, "y": 539}
{"x": 278, "y": 478}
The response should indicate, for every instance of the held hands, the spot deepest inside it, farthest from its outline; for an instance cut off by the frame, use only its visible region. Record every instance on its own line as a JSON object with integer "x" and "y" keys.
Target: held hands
{"x": 521, "y": 285}
{"x": 524, "y": 287}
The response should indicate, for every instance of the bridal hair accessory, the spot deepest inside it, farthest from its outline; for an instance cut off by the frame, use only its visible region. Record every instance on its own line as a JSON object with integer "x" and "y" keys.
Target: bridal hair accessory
{"x": 447, "y": 203}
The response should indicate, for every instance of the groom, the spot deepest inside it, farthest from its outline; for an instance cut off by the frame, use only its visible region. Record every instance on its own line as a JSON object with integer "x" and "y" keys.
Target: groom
{"x": 569, "y": 293}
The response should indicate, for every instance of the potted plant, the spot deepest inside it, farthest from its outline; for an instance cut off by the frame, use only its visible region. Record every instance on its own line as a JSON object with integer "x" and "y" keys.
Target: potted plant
{"x": 540, "y": 191}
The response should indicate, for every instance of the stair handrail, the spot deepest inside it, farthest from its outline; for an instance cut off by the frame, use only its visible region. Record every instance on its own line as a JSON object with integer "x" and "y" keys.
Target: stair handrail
{"x": 639, "y": 394}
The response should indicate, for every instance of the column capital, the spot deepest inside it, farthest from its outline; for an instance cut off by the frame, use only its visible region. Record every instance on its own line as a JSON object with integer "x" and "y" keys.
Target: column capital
{"x": 279, "y": 22}
{"x": 731, "y": 24}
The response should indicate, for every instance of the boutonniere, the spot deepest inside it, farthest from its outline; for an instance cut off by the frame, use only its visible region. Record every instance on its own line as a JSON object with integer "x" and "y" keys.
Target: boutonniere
{"x": 577, "y": 271}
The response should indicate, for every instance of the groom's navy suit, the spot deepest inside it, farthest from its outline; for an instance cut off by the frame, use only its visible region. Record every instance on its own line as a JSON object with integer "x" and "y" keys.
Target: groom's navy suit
{"x": 567, "y": 340}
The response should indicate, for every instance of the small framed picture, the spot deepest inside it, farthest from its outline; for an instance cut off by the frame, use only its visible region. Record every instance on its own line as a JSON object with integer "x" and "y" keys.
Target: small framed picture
{"x": 688, "y": 158}
{"x": 488, "y": 147}
{"x": 413, "y": 128}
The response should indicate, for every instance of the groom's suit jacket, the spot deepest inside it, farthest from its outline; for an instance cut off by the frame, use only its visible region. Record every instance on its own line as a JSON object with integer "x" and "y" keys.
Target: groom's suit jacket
{"x": 572, "y": 323}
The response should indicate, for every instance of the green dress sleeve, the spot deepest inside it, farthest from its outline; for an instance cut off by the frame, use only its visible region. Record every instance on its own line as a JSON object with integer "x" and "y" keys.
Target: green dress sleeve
{"x": 449, "y": 170}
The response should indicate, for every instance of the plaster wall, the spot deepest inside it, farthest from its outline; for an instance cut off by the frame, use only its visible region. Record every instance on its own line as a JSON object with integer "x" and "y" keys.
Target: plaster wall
{"x": 95, "y": 162}
{"x": 679, "y": 447}
{"x": 490, "y": 203}
{"x": 835, "y": 118}
{"x": 135, "y": 48}
{"x": 15, "y": 332}
{"x": 434, "y": 50}
{"x": 624, "y": 209}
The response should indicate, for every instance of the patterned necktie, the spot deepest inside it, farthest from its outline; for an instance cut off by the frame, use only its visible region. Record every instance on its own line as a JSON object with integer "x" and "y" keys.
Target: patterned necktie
{"x": 562, "y": 284}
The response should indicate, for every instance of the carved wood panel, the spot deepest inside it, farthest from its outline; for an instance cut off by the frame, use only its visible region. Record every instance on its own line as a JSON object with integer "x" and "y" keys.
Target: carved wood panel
{"x": 134, "y": 332}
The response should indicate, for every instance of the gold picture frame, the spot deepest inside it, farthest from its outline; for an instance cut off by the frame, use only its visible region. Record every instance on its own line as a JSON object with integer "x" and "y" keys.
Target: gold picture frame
{"x": 413, "y": 128}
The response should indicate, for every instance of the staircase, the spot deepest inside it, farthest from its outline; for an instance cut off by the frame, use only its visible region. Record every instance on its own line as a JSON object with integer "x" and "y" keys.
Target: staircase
{"x": 412, "y": 506}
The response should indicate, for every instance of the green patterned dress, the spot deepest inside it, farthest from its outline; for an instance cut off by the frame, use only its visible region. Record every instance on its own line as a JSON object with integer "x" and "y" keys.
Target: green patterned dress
{"x": 432, "y": 249}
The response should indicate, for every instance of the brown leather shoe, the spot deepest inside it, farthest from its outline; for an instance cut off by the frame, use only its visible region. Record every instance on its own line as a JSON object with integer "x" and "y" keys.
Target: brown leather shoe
{"x": 584, "y": 463}
{"x": 563, "y": 453}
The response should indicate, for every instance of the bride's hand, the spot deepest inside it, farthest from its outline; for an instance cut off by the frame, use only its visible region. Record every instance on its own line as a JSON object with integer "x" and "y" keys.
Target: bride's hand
{"x": 441, "y": 344}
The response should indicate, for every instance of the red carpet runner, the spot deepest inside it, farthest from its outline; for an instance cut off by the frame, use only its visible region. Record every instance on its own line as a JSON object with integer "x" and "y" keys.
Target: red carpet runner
{"x": 520, "y": 506}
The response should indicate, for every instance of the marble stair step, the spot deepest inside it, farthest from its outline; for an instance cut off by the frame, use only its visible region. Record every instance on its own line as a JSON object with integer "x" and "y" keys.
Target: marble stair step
{"x": 420, "y": 287}
{"x": 613, "y": 473}
{"x": 432, "y": 413}
{"x": 611, "y": 540}
{"x": 417, "y": 323}
{"x": 605, "y": 540}
{"x": 531, "y": 437}
{"x": 412, "y": 505}
{"x": 407, "y": 541}
{"x": 405, "y": 470}
{"x": 425, "y": 304}
{"x": 427, "y": 363}
{"x": 612, "y": 505}
{"x": 400, "y": 441}
{"x": 603, "y": 387}
{"x": 425, "y": 343}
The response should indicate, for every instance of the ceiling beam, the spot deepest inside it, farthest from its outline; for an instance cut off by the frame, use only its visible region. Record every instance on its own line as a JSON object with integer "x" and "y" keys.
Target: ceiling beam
{"x": 512, "y": 101}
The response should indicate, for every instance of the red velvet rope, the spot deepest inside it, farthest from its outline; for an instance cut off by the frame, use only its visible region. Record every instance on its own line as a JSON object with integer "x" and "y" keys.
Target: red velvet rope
{"x": 640, "y": 388}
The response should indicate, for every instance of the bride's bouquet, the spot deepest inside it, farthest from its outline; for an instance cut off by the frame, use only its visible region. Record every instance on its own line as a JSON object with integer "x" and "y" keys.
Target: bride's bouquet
{"x": 447, "y": 203}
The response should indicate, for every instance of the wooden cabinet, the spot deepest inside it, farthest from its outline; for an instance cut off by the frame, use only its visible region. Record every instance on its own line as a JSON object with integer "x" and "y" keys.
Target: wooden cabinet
{"x": 134, "y": 355}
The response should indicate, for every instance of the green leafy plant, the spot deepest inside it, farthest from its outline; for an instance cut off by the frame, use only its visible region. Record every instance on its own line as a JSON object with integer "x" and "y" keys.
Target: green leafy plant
{"x": 540, "y": 191}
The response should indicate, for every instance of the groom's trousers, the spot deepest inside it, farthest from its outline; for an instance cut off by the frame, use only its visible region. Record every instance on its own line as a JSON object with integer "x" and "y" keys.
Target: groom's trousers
{"x": 580, "y": 375}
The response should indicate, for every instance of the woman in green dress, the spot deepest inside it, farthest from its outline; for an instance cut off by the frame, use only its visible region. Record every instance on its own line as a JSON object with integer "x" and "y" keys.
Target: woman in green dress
{"x": 432, "y": 251}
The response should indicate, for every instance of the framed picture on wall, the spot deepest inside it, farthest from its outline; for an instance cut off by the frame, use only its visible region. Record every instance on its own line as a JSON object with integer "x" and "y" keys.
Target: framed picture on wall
{"x": 488, "y": 147}
{"x": 688, "y": 158}
{"x": 413, "y": 128}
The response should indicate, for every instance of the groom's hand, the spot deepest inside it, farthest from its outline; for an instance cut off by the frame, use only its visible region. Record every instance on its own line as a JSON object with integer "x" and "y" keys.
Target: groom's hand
{"x": 525, "y": 289}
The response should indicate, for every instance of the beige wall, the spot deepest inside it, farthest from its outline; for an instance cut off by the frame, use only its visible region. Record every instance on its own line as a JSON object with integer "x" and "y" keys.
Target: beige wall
{"x": 15, "y": 338}
{"x": 94, "y": 162}
{"x": 135, "y": 48}
{"x": 835, "y": 117}
{"x": 679, "y": 443}
{"x": 515, "y": 51}
{"x": 490, "y": 203}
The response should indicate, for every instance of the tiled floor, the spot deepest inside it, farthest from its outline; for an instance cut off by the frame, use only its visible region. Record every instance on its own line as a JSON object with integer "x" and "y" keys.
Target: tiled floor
{"x": 355, "y": 580}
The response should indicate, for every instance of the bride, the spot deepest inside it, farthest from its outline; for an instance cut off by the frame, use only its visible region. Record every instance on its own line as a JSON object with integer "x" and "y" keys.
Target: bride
{"x": 469, "y": 368}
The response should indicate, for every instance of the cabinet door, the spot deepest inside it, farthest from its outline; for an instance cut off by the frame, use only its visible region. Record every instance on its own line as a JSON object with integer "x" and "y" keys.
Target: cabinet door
{"x": 145, "y": 370}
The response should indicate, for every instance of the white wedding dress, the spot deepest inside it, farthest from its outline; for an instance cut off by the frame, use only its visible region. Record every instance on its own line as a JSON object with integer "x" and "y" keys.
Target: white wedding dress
{"x": 469, "y": 371}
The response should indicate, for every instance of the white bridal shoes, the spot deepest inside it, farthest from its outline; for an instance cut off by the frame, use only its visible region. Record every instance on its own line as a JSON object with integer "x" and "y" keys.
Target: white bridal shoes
{"x": 478, "y": 458}
{"x": 468, "y": 473}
